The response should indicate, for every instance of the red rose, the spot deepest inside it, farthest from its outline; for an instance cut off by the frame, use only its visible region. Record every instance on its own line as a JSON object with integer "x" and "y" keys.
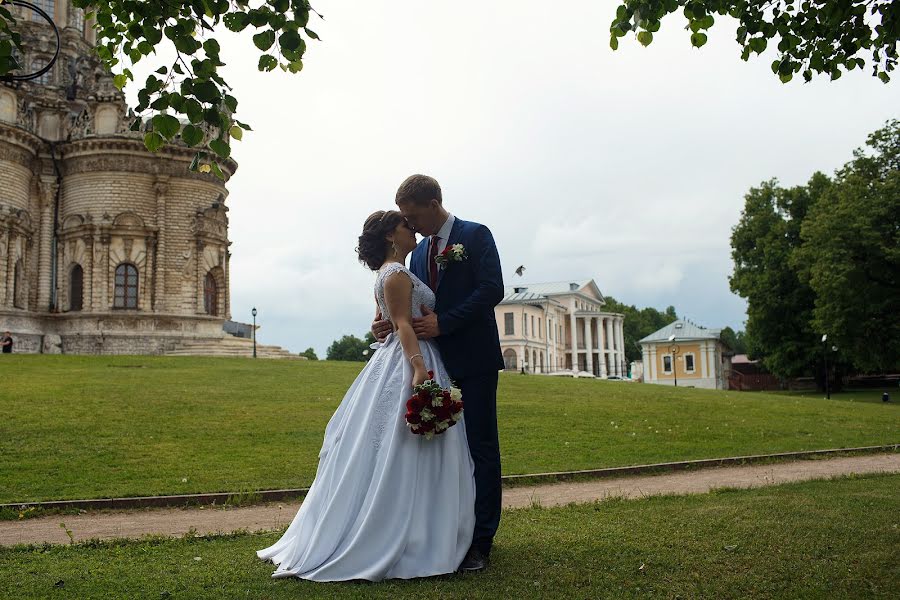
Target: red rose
{"x": 442, "y": 413}
{"x": 430, "y": 374}
{"x": 447, "y": 251}
{"x": 446, "y": 394}
{"x": 424, "y": 395}
{"x": 413, "y": 418}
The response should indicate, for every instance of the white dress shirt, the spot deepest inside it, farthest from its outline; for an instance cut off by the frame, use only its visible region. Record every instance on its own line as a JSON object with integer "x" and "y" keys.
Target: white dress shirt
{"x": 444, "y": 232}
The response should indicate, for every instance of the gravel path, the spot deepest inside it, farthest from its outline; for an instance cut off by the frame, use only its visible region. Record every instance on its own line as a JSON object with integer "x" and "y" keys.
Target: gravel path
{"x": 178, "y": 521}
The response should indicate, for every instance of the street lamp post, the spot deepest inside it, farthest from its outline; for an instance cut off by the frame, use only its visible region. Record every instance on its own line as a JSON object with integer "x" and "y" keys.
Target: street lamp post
{"x": 673, "y": 350}
{"x": 825, "y": 355}
{"x": 253, "y": 312}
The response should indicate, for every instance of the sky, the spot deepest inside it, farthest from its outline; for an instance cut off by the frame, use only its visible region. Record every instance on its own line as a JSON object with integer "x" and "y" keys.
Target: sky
{"x": 626, "y": 167}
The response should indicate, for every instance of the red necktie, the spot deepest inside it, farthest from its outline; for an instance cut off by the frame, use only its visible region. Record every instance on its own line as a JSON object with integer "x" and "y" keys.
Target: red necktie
{"x": 432, "y": 265}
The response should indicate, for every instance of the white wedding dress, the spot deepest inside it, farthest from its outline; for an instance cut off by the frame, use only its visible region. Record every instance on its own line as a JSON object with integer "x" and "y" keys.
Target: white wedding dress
{"x": 385, "y": 503}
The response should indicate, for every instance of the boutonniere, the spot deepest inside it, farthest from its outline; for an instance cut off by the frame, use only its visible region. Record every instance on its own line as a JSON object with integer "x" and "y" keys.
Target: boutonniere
{"x": 454, "y": 253}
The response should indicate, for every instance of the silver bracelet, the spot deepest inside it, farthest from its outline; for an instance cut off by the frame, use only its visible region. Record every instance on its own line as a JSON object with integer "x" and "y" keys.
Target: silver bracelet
{"x": 413, "y": 356}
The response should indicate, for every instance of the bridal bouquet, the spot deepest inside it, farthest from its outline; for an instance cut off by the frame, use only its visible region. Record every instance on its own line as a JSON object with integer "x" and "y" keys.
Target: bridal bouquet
{"x": 433, "y": 410}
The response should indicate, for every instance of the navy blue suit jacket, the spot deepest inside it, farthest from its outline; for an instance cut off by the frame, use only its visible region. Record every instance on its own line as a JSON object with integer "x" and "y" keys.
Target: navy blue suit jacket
{"x": 467, "y": 293}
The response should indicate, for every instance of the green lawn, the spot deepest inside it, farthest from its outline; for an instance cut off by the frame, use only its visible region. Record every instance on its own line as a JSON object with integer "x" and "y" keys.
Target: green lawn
{"x": 87, "y": 427}
{"x": 820, "y": 539}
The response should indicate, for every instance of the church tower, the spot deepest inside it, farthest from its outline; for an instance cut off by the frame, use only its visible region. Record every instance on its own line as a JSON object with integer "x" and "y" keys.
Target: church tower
{"x": 105, "y": 248}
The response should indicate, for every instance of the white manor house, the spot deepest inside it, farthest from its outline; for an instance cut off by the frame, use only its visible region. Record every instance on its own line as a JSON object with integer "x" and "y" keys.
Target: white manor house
{"x": 560, "y": 326}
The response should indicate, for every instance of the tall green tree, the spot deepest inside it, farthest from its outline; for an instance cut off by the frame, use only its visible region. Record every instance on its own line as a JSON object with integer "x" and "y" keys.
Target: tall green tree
{"x": 639, "y": 323}
{"x": 779, "y": 305}
{"x": 734, "y": 340}
{"x": 813, "y": 37}
{"x": 349, "y": 347}
{"x": 850, "y": 256}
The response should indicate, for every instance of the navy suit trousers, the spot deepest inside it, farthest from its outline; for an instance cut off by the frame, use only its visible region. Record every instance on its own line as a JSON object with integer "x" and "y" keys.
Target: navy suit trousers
{"x": 479, "y": 394}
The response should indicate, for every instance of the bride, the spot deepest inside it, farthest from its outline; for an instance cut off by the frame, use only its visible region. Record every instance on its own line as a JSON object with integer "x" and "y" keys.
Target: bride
{"x": 385, "y": 503}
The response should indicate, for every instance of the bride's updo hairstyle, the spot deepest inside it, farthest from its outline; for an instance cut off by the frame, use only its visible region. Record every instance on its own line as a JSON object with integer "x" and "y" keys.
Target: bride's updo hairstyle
{"x": 373, "y": 245}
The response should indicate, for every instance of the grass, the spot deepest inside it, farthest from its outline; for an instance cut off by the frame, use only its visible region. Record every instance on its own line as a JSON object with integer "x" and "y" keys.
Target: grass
{"x": 88, "y": 427}
{"x": 818, "y": 539}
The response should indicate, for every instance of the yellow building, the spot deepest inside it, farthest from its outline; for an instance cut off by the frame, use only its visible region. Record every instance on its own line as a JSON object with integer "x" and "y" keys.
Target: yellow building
{"x": 560, "y": 326}
{"x": 686, "y": 354}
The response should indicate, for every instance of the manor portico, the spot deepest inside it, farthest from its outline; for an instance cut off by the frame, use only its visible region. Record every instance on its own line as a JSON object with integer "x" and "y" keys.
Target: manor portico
{"x": 559, "y": 326}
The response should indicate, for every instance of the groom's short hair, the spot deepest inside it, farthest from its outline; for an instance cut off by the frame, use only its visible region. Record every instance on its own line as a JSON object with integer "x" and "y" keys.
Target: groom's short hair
{"x": 419, "y": 189}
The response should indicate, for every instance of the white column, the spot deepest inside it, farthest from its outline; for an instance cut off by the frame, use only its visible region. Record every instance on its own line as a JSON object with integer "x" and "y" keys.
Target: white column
{"x": 574, "y": 335}
{"x": 588, "y": 345}
{"x": 645, "y": 358}
{"x": 161, "y": 264}
{"x": 610, "y": 343}
{"x": 601, "y": 350}
{"x": 620, "y": 322}
{"x": 48, "y": 194}
{"x": 704, "y": 360}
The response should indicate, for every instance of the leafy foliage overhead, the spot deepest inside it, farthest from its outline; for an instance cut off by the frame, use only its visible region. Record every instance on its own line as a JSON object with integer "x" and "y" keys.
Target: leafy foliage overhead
{"x": 813, "y": 37}
{"x": 187, "y": 99}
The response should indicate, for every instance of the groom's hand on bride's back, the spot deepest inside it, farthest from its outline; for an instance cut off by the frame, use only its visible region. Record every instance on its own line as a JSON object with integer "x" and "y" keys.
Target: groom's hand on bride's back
{"x": 426, "y": 326}
{"x": 381, "y": 328}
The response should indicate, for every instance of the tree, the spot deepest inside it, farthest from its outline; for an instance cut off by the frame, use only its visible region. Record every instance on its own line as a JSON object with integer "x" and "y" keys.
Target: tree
{"x": 850, "y": 256}
{"x": 823, "y": 259}
{"x": 129, "y": 30}
{"x": 350, "y": 348}
{"x": 779, "y": 305}
{"x": 639, "y": 323}
{"x": 733, "y": 340}
{"x": 814, "y": 36}
{"x": 310, "y": 354}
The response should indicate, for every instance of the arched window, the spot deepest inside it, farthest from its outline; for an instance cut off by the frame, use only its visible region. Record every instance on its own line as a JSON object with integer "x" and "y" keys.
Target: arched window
{"x": 211, "y": 295}
{"x": 19, "y": 292}
{"x": 76, "y": 287}
{"x": 126, "y": 286}
{"x": 533, "y": 360}
{"x": 509, "y": 359}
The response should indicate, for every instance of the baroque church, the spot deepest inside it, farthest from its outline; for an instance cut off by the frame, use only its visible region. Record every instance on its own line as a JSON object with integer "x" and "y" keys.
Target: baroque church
{"x": 105, "y": 248}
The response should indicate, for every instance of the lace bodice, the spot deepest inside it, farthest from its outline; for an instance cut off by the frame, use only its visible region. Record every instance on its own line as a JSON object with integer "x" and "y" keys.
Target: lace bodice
{"x": 421, "y": 293}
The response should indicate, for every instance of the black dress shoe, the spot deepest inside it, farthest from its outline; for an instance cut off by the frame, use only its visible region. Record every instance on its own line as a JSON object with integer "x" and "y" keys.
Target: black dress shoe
{"x": 474, "y": 561}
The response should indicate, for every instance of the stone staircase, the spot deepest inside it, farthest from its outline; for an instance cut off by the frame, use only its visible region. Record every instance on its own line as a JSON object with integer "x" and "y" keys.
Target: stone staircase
{"x": 229, "y": 346}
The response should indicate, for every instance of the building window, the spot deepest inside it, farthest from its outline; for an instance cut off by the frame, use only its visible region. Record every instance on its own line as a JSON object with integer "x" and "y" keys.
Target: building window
{"x": 508, "y": 324}
{"x": 210, "y": 295}
{"x": 126, "y": 295}
{"x": 689, "y": 363}
{"x": 525, "y": 324}
{"x": 76, "y": 288}
{"x": 667, "y": 364}
{"x": 49, "y": 7}
{"x": 509, "y": 359}
{"x": 76, "y": 19}
{"x": 540, "y": 329}
{"x": 533, "y": 330}
{"x": 38, "y": 64}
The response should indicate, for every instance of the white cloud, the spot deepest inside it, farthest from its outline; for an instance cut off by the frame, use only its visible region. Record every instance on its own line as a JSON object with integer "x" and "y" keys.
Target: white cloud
{"x": 626, "y": 167}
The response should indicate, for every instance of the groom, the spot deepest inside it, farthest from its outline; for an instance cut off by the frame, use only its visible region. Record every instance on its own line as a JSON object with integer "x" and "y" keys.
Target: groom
{"x": 464, "y": 326}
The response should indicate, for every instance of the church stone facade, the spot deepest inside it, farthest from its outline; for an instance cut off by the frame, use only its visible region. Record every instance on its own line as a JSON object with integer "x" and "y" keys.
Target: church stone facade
{"x": 105, "y": 248}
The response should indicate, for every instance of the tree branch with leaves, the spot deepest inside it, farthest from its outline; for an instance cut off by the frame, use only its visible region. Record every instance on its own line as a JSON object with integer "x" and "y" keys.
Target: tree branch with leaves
{"x": 188, "y": 100}
{"x": 812, "y": 37}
